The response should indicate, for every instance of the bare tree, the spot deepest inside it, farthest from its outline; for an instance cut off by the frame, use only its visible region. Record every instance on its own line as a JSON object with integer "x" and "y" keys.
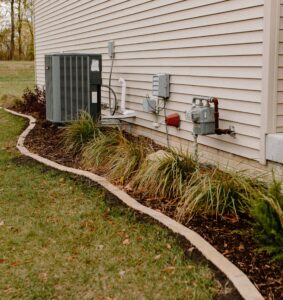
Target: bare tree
{"x": 28, "y": 7}
{"x": 19, "y": 26}
{"x": 16, "y": 29}
{"x": 12, "y": 41}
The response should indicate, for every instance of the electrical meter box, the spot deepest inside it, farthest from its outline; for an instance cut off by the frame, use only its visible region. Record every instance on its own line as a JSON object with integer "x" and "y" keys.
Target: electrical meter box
{"x": 73, "y": 84}
{"x": 203, "y": 119}
{"x": 161, "y": 85}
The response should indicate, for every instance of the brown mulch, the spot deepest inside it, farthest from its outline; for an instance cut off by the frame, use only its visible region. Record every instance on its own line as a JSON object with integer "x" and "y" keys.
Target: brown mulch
{"x": 46, "y": 140}
{"x": 232, "y": 237}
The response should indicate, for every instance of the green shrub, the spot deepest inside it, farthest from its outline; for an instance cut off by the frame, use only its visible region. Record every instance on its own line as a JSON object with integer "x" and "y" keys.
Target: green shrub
{"x": 268, "y": 214}
{"x": 215, "y": 192}
{"x": 79, "y": 132}
{"x": 165, "y": 176}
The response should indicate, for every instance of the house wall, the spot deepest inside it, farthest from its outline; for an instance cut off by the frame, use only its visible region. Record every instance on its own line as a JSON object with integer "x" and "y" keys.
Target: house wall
{"x": 210, "y": 47}
{"x": 279, "y": 123}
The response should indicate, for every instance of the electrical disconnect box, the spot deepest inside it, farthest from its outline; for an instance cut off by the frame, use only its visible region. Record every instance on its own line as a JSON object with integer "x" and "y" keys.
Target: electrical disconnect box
{"x": 149, "y": 105}
{"x": 73, "y": 84}
{"x": 161, "y": 85}
{"x": 203, "y": 117}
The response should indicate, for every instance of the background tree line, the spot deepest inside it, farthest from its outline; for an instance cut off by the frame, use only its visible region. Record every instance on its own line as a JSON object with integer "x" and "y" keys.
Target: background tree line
{"x": 16, "y": 30}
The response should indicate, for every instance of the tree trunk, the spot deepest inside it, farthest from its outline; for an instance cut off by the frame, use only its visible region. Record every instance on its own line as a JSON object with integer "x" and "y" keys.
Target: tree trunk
{"x": 19, "y": 27}
{"x": 29, "y": 11}
{"x": 12, "y": 42}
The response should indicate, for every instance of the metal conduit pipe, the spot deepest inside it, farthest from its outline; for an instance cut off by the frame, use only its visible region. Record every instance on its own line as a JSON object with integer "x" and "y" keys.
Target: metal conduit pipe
{"x": 218, "y": 130}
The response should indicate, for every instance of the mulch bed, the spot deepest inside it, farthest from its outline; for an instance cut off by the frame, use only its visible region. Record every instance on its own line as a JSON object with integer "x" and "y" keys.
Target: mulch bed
{"x": 232, "y": 237}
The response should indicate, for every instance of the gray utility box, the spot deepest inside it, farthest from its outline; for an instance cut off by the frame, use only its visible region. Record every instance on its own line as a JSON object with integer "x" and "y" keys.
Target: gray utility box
{"x": 149, "y": 105}
{"x": 161, "y": 85}
{"x": 203, "y": 120}
{"x": 73, "y": 84}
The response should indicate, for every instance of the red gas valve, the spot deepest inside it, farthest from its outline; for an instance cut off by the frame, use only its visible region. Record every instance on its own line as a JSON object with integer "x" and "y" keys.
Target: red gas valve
{"x": 173, "y": 120}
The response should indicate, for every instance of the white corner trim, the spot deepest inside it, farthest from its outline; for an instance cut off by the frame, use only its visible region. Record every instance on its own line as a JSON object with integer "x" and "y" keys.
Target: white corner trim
{"x": 240, "y": 281}
{"x": 274, "y": 147}
{"x": 269, "y": 72}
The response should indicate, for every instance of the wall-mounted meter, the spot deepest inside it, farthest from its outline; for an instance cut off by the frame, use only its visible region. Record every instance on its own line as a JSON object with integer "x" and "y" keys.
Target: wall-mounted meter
{"x": 161, "y": 85}
{"x": 205, "y": 117}
{"x": 202, "y": 116}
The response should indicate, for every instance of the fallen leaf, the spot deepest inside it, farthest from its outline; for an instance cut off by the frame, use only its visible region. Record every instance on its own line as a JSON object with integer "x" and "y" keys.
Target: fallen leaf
{"x": 122, "y": 273}
{"x": 226, "y": 252}
{"x": 169, "y": 269}
{"x": 10, "y": 290}
{"x": 128, "y": 188}
{"x": 43, "y": 276}
{"x": 231, "y": 218}
{"x": 1, "y": 223}
{"x": 157, "y": 257}
{"x": 99, "y": 247}
{"x": 70, "y": 258}
{"x": 89, "y": 295}
{"x": 168, "y": 246}
{"x": 126, "y": 242}
{"x": 241, "y": 247}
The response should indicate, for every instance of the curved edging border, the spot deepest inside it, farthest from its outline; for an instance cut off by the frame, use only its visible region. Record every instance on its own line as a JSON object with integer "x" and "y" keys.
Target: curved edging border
{"x": 241, "y": 282}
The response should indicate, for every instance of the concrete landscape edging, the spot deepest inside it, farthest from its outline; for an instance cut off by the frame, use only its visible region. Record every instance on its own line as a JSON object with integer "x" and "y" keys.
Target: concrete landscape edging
{"x": 240, "y": 281}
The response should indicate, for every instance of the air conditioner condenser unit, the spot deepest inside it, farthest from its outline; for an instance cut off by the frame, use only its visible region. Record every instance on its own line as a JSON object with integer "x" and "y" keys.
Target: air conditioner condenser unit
{"x": 73, "y": 84}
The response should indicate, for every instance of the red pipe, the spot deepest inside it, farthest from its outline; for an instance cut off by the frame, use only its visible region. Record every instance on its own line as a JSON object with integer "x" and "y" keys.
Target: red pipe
{"x": 216, "y": 117}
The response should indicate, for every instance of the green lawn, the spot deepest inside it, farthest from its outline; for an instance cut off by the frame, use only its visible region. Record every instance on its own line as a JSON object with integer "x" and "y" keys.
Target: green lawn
{"x": 15, "y": 76}
{"x": 59, "y": 239}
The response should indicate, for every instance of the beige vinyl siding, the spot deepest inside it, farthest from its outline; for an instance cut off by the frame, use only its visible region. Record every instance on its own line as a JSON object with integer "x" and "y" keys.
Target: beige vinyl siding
{"x": 279, "y": 122}
{"x": 210, "y": 47}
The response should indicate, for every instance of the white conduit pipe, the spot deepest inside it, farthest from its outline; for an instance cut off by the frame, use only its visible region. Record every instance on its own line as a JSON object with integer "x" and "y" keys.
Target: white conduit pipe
{"x": 123, "y": 95}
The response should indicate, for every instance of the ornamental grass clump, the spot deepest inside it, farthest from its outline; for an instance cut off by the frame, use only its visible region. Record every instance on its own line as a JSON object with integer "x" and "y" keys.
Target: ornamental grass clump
{"x": 98, "y": 151}
{"x": 267, "y": 212}
{"x": 165, "y": 176}
{"x": 79, "y": 132}
{"x": 216, "y": 192}
{"x": 115, "y": 155}
{"x": 127, "y": 159}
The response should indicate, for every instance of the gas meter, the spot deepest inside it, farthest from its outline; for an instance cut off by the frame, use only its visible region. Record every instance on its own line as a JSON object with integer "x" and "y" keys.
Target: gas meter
{"x": 202, "y": 116}
{"x": 205, "y": 117}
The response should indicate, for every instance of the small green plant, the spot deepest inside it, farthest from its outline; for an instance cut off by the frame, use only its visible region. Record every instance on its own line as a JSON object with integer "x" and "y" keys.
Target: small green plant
{"x": 165, "y": 176}
{"x": 79, "y": 133}
{"x": 215, "y": 192}
{"x": 268, "y": 214}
